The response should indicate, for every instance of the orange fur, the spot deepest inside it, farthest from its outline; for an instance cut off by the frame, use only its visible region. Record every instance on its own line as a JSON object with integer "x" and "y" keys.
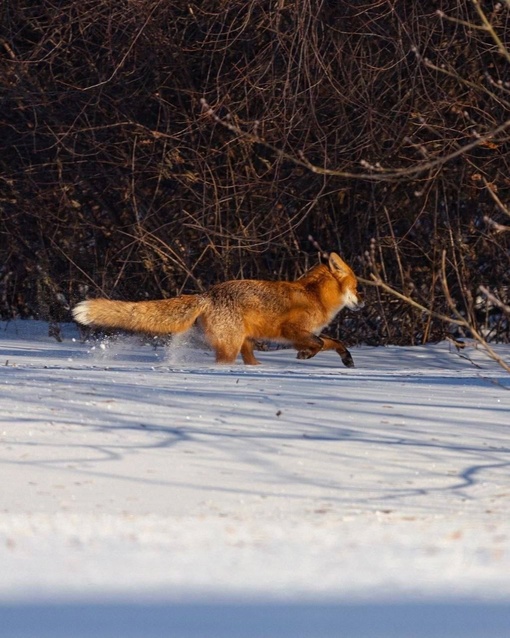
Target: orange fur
{"x": 235, "y": 313}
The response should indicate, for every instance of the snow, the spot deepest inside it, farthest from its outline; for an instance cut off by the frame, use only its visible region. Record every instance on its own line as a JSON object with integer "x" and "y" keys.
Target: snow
{"x": 148, "y": 492}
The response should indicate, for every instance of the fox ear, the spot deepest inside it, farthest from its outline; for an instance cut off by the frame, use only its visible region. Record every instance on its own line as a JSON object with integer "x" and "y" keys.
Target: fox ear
{"x": 336, "y": 263}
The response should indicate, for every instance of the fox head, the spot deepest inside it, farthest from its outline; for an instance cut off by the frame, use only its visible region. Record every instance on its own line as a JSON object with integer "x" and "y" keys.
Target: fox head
{"x": 347, "y": 280}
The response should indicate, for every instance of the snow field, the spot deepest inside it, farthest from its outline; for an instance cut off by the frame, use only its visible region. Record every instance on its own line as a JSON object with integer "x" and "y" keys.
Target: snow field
{"x": 133, "y": 474}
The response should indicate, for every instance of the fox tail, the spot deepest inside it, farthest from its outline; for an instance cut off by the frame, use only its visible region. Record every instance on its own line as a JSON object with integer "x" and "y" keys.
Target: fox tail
{"x": 161, "y": 317}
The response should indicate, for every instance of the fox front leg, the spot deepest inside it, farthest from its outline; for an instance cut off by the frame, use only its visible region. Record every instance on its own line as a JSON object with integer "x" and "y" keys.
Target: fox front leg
{"x": 338, "y": 346}
{"x": 330, "y": 344}
{"x": 306, "y": 343}
{"x": 247, "y": 353}
{"x": 309, "y": 349}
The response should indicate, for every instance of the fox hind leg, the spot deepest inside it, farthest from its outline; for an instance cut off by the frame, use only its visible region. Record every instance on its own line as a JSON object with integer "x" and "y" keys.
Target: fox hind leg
{"x": 223, "y": 335}
{"x": 247, "y": 353}
{"x": 225, "y": 345}
{"x": 225, "y": 352}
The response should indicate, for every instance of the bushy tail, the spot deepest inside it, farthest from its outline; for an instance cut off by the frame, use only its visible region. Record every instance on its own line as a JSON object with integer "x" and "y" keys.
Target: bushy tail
{"x": 154, "y": 317}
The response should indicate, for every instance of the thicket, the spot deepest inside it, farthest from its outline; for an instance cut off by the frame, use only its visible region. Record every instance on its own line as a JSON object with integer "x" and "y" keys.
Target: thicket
{"x": 153, "y": 147}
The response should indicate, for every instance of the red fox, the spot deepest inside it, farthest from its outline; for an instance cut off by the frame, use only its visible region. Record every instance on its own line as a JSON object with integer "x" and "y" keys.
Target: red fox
{"x": 234, "y": 314}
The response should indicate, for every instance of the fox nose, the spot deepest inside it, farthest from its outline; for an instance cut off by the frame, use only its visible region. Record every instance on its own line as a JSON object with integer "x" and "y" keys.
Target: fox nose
{"x": 359, "y": 305}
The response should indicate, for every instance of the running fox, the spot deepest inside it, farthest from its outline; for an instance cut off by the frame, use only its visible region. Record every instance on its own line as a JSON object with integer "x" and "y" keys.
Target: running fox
{"x": 233, "y": 314}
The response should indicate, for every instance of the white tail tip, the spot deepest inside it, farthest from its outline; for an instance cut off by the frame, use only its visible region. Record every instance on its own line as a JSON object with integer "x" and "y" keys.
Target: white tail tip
{"x": 81, "y": 313}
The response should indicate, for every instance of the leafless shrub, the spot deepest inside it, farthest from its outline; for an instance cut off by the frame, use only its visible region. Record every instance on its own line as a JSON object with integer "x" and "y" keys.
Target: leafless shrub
{"x": 379, "y": 127}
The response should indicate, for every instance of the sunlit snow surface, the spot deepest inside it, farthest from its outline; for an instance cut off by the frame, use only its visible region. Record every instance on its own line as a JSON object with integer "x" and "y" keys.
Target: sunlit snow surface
{"x": 148, "y": 492}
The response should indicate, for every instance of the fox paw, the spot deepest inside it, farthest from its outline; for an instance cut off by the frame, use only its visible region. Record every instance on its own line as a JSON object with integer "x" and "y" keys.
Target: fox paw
{"x": 347, "y": 360}
{"x": 305, "y": 354}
